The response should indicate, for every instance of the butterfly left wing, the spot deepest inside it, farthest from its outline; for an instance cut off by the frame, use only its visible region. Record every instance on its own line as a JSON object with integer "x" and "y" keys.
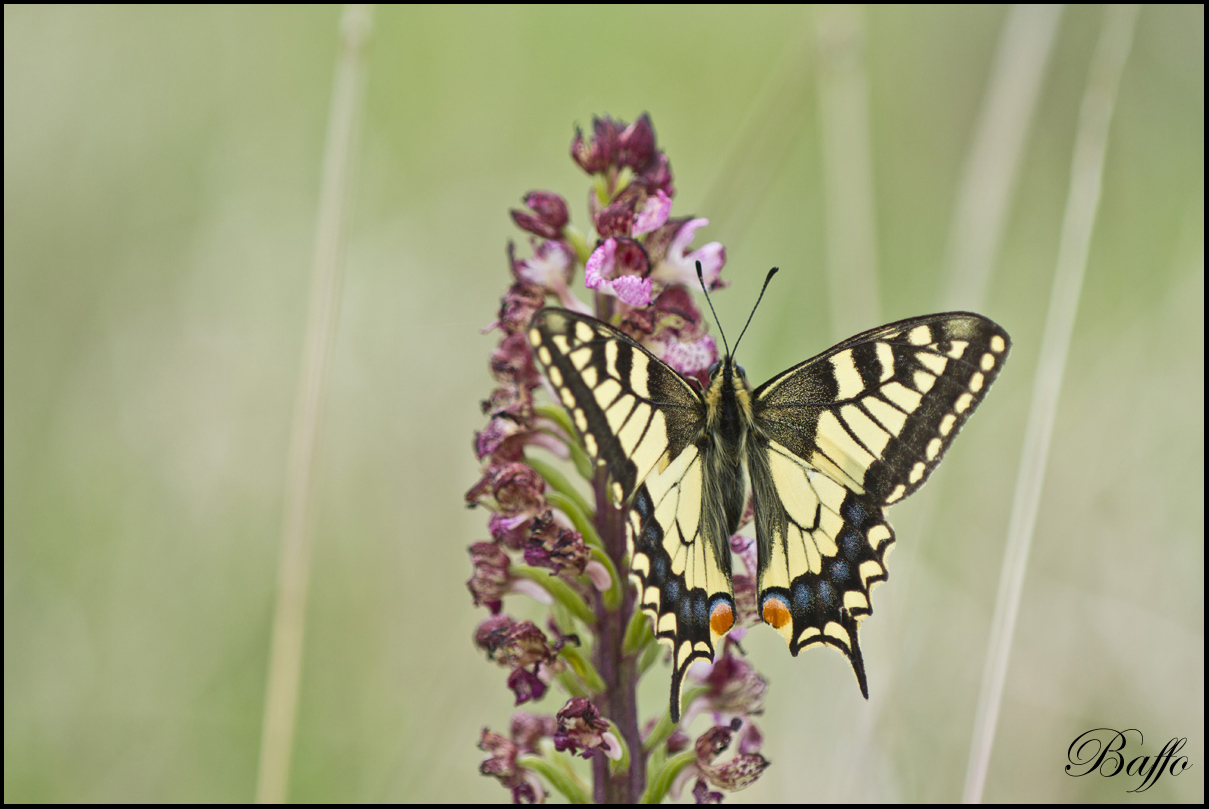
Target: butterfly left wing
{"x": 839, "y": 438}
{"x": 640, "y": 419}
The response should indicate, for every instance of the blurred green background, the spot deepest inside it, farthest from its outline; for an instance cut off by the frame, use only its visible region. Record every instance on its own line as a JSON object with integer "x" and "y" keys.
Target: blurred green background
{"x": 161, "y": 172}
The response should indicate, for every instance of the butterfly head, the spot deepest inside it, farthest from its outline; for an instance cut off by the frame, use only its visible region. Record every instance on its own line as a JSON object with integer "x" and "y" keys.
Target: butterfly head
{"x": 727, "y": 378}
{"x": 728, "y": 396}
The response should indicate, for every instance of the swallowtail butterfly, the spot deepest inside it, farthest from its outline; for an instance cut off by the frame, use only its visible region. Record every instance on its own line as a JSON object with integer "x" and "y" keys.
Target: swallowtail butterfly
{"x": 825, "y": 447}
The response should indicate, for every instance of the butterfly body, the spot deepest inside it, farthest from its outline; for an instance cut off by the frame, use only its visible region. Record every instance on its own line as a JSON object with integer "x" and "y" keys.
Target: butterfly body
{"x": 824, "y": 447}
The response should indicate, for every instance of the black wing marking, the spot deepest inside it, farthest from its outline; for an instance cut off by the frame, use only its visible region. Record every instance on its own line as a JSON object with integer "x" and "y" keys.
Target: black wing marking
{"x": 632, "y": 411}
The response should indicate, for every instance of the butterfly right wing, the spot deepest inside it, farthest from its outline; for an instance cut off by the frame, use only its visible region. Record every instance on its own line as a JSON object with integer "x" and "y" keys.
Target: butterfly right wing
{"x": 639, "y": 419}
{"x": 841, "y": 437}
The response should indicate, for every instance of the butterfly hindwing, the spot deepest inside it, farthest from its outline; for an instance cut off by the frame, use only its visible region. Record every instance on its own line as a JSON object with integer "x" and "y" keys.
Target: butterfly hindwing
{"x": 838, "y": 439}
{"x": 639, "y": 419}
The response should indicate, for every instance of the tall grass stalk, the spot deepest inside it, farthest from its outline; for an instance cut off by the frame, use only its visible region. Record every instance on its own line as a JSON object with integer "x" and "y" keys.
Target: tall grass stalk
{"x": 285, "y": 655}
{"x": 993, "y": 163}
{"x": 846, "y": 146}
{"x": 984, "y": 200}
{"x": 762, "y": 143}
{"x": 1083, "y": 197}
{"x": 847, "y": 171}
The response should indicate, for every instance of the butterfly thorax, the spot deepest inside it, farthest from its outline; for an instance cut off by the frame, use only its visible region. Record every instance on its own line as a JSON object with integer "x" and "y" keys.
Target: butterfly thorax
{"x": 723, "y": 440}
{"x": 728, "y": 410}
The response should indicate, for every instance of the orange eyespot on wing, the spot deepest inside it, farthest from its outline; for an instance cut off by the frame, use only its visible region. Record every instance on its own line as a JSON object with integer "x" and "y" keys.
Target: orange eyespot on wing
{"x": 721, "y": 618}
{"x": 776, "y": 611}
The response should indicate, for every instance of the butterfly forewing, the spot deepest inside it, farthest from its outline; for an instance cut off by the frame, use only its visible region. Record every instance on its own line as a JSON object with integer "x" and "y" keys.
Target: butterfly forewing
{"x": 839, "y": 438}
{"x": 640, "y": 419}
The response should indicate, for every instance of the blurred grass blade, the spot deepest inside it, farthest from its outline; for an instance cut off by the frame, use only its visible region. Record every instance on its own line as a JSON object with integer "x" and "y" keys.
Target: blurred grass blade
{"x": 1083, "y": 197}
{"x": 770, "y": 131}
{"x": 992, "y": 166}
{"x": 285, "y": 656}
{"x": 847, "y": 161}
{"x": 984, "y": 199}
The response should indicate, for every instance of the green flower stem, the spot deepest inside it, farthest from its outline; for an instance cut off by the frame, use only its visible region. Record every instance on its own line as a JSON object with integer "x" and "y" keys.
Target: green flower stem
{"x": 637, "y": 634}
{"x": 564, "y": 619}
{"x": 580, "y": 520}
{"x": 665, "y": 727}
{"x": 558, "y": 589}
{"x": 557, "y": 415}
{"x": 601, "y": 186}
{"x": 583, "y": 464}
{"x": 584, "y": 668}
{"x": 561, "y": 780}
{"x": 661, "y": 782}
{"x": 559, "y": 483}
{"x": 572, "y": 684}
{"x": 580, "y": 243}
{"x": 621, "y": 764}
{"x": 650, "y": 655}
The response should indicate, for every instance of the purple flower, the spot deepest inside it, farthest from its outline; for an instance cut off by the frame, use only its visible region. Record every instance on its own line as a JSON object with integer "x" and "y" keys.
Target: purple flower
{"x": 735, "y": 687}
{"x": 550, "y": 268}
{"x": 512, "y": 363}
{"x": 601, "y": 274}
{"x": 549, "y": 214}
{"x": 490, "y": 579}
{"x": 594, "y": 156}
{"x": 679, "y": 267}
{"x": 739, "y": 772}
{"x": 511, "y": 489}
{"x": 582, "y": 731}
{"x": 510, "y": 531}
{"x": 689, "y": 357}
{"x": 636, "y": 144}
{"x": 654, "y": 214}
{"x": 500, "y": 763}
{"x": 553, "y": 546}
{"x": 518, "y": 305}
{"x": 526, "y": 685}
{"x": 522, "y": 647}
{"x": 514, "y": 643}
{"x": 617, "y": 218}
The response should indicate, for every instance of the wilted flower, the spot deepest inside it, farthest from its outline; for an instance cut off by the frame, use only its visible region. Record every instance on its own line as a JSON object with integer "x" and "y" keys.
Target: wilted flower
{"x": 490, "y": 579}
{"x": 500, "y": 763}
{"x": 581, "y": 730}
{"x": 549, "y": 214}
{"x": 740, "y": 771}
{"x": 736, "y": 688}
{"x": 554, "y": 546}
{"x": 510, "y": 489}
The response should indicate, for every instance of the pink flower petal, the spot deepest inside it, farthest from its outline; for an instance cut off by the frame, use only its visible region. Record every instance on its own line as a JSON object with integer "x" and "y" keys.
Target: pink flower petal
{"x": 633, "y": 290}
{"x": 600, "y": 265}
{"x": 678, "y": 267}
{"x": 690, "y": 358}
{"x": 654, "y": 215}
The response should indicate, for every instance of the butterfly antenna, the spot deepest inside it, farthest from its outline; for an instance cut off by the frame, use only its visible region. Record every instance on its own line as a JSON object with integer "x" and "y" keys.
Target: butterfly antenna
{"x": 767, "y": 278}
{"x": 701, "y": 278}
